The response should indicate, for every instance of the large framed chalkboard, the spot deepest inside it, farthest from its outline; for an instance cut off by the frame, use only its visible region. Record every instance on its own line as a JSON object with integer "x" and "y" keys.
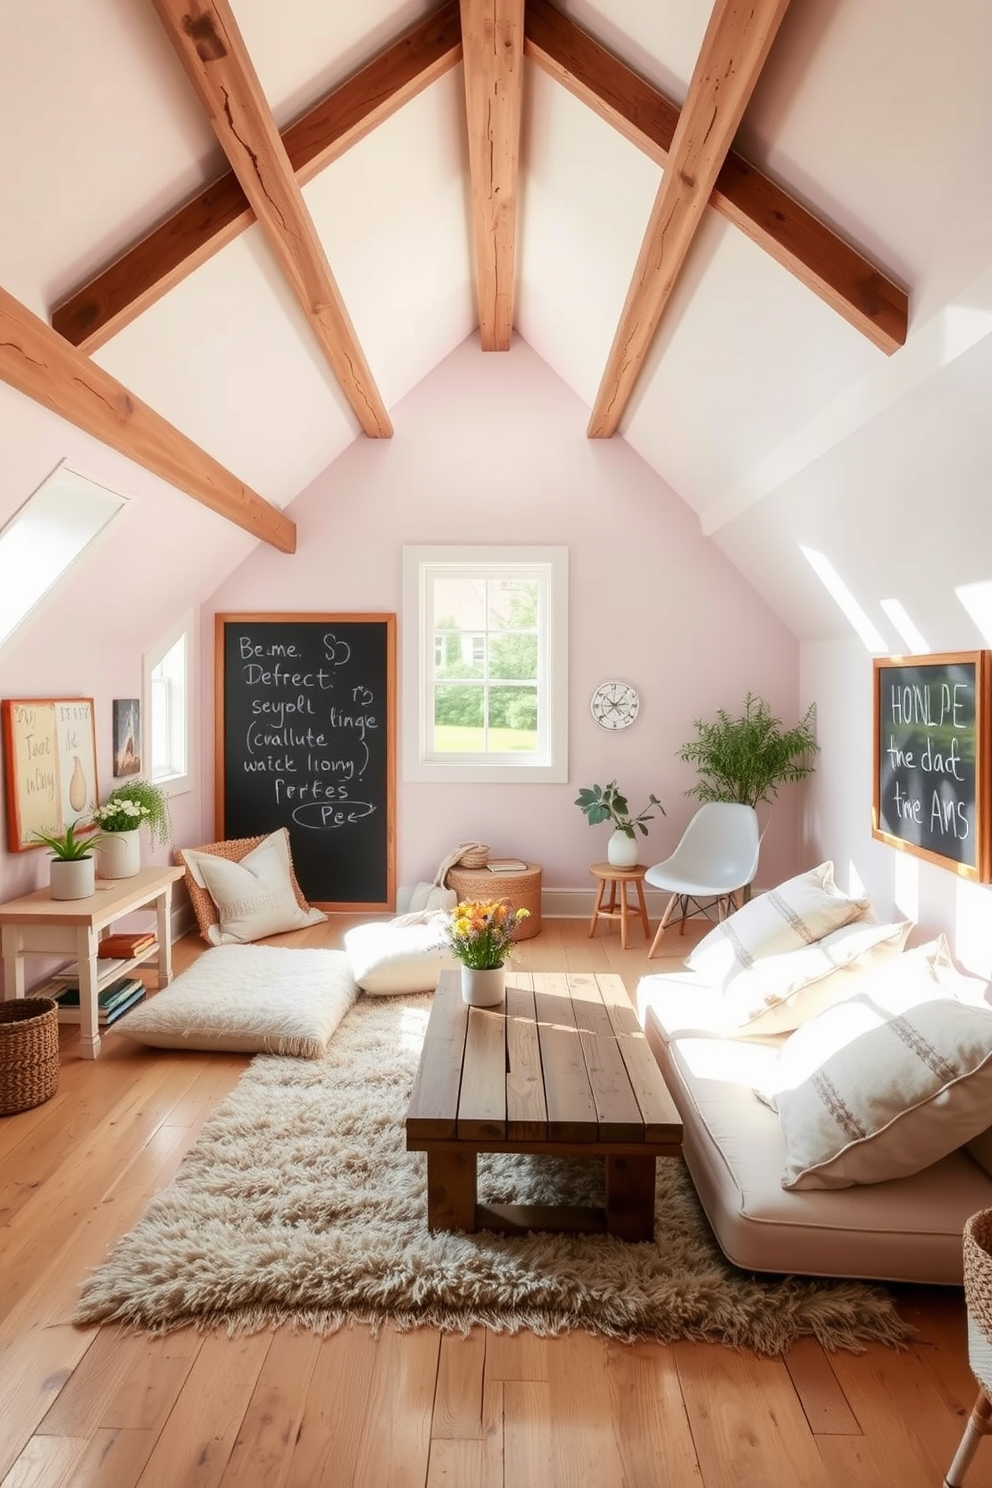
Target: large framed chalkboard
{"x": 306, "y": 739}
{"x": 931, "y": 751}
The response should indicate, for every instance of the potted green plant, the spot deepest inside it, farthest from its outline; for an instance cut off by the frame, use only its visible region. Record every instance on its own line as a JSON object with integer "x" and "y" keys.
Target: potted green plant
{"x": 73, "y": 871}
{"x": 607, "y": 803}
{"x": 748, "y": 756}
{"x": 121, "y": 816}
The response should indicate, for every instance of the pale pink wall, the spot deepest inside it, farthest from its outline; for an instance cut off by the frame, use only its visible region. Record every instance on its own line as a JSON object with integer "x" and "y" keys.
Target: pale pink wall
{"x": 837, "y": 815}
{"x": 493, "y": 448}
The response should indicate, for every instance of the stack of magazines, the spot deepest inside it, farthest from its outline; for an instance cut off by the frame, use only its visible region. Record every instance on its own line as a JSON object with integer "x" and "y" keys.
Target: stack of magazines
{"x": 112, "y": 1001}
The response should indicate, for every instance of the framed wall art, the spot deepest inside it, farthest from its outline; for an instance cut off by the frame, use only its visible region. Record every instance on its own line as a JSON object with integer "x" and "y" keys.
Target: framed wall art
{"x": 127, "y": 736}
{"x": 49, "y": 757}
{"x": 931, "y": 765}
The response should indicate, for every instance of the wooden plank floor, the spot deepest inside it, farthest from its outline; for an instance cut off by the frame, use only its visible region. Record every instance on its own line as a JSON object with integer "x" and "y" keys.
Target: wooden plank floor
{"x": 104, "y": 1407}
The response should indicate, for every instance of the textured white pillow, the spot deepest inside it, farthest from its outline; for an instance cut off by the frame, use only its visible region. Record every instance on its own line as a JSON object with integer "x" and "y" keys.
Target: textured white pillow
{"x": 254, "y": 897}
{"x": 800, "y": 911}
{"x": 893, "y": 1100}
{"x": 782, "y": 992}
{"x": 924, "y": 974}
{"x": 388, "y": 958}
{"x": 248, "y": 1000}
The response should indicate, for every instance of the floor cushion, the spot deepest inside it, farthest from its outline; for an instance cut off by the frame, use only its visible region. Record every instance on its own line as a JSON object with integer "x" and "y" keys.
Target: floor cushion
{"x": 389, "y": 958}
{"x": 245, "y": 889}
{"x": 249, "y": 1000}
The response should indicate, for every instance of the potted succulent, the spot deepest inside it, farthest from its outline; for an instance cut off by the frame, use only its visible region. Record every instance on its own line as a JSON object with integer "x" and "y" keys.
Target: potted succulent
{"x": 73, "y": 874}
{"x": 746, "y": 758}
{"x": 121, "y": 816}
{"x": 607, "y": 803}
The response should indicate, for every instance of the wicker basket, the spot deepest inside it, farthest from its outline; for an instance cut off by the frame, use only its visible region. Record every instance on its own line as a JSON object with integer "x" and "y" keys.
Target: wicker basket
{"x": 29, "y": 1053}
{"x": 519, "y": 890}
{"x": 476, "y": 855}
{"x": 977, "y": 1245}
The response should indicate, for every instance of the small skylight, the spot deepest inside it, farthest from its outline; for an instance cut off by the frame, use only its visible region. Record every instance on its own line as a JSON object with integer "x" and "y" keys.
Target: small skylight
{"x": 45, "y": 537}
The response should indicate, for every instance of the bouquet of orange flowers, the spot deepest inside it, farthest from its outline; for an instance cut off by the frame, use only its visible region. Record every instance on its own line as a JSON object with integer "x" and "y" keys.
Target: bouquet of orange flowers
{"x": 480, "y": 933}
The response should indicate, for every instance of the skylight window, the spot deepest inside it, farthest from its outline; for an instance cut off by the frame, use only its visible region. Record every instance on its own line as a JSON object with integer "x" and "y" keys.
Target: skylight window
{"x": 45, "y": 537}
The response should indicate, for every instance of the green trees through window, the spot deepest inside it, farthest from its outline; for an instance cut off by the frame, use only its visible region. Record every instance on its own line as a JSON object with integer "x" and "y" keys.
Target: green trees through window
{"x": 486, "y": 665}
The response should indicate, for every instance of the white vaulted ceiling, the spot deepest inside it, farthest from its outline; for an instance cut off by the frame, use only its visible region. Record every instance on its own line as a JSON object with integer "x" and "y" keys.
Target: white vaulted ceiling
{"x": 874, "y": 114}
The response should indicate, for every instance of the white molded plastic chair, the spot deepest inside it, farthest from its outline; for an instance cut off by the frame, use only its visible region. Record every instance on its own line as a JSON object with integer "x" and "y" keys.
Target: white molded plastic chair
{"x": 978, "y": 1296}
{"x": 717, "y": 856}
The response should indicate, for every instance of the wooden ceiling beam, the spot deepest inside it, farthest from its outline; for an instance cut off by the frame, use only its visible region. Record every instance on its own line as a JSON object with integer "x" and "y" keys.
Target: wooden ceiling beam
{"x": 737, "y": 41}
{"x": 41, "y": 364}
{"x": 493, "y": 53}
{"x": 217, "y": 214}
{"x": 208, "y": 43}
{"x": 842, "y": 277}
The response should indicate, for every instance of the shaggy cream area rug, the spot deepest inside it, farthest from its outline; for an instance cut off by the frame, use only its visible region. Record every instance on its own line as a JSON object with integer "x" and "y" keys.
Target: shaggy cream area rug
{"x": 299, "y": 1203}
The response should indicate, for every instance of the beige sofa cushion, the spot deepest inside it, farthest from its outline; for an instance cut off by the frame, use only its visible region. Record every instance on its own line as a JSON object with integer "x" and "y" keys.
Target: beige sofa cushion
{"x": 799, "y": 912}
{"x": 905, "y": 1230}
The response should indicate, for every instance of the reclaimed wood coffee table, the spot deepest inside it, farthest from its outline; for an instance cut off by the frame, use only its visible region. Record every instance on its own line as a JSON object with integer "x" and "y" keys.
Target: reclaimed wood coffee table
{"x": 562, "y": 1067}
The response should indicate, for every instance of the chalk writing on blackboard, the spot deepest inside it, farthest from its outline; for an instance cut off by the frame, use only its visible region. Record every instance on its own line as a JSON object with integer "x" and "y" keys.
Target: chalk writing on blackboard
{"x": 306, "y": 704}
{"x": 931, "y": 758}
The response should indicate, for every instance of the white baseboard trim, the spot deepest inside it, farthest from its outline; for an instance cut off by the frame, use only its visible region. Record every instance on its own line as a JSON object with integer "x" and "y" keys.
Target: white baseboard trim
{"x": 570, "y": 904}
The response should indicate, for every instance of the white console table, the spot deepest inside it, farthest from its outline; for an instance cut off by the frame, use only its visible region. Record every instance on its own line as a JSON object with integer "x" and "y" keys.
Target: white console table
{"x": 38, "y": 925}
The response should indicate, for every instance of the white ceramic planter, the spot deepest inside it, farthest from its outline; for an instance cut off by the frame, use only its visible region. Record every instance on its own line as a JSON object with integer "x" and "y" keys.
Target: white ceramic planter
{"x": 119, "y": 854}
{"x": 621, "y": 850}
{"x": 73, "y": 878}
{"x": 483, "y": 988}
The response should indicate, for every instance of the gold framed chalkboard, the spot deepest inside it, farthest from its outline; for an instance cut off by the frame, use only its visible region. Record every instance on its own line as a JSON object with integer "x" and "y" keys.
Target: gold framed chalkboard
{"x": 931, "y": 759}
{"x": 306, "y": 739}
{"x": 49, "y": 749}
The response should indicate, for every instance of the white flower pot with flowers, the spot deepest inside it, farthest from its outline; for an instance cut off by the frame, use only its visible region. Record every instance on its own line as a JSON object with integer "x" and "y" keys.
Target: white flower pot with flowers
{"x": 120, "y": 818}
{"x": 480, "y": 933}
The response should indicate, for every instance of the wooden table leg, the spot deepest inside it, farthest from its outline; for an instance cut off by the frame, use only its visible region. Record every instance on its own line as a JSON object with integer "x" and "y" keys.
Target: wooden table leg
{"x": 451, "y": 1189}
{"x": 163, "y": 922}
{"x": 13, "y": 962}
{"x": 623, "y": 916}
{"x": 630, "y": 1185}
{"x": 89, "y": 1023}
{"x": 597, "y": 907}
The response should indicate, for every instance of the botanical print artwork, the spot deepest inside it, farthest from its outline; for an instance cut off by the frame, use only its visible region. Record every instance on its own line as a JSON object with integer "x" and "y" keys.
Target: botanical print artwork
{"x": 127, "y": 736}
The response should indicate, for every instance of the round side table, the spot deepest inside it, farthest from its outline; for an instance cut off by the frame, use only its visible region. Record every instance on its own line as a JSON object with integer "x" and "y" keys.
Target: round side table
{"x": 522, "y": 890}
{"x": 618, "y": 907}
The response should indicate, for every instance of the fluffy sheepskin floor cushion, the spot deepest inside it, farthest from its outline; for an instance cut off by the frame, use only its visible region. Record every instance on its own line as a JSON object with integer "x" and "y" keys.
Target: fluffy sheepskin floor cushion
{"x": 249, "y": 1000}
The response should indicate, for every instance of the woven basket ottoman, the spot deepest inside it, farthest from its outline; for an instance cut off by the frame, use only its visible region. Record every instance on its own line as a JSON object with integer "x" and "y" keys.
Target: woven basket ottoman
{"x": 520, "y": 890}
{"x": 29, "y": 1053}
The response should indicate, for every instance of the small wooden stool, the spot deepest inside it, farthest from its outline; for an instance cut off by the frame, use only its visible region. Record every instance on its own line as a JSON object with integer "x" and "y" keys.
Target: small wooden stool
{"x": 618, "y": 879}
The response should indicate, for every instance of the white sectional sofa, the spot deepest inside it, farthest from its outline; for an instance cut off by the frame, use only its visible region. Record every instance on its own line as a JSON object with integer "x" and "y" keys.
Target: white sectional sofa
{"x": 903, "y": 1229}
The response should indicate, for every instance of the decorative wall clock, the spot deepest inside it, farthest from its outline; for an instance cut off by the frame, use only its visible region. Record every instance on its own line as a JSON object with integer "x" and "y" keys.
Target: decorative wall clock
{"x": 614, "y": 705}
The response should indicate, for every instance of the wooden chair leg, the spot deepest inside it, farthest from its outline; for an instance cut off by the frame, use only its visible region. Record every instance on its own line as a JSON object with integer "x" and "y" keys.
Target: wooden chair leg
{"x": 979, "y": 1425}
{"x": 597, "y": 906}
{"x": 661, "y": 926}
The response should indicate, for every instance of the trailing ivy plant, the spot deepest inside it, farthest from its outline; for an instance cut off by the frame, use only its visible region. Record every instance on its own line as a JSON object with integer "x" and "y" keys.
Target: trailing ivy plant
{"x": 746, "y": 758}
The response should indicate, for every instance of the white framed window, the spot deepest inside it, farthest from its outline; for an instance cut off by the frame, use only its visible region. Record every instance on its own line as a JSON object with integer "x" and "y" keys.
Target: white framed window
{"x": 485, "y": 664}
{"x": 169, "y": 693}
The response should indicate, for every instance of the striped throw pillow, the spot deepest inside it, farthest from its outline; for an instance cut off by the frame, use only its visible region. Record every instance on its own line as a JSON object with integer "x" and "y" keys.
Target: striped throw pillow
{"x": 798, "y": 913}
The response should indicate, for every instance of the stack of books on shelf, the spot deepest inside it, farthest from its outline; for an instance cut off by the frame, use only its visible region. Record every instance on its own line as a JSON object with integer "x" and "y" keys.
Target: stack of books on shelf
{"x": 105, "y": 967}
{"x": 112, "y": 1001}
{"x": 127, "y": 946}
